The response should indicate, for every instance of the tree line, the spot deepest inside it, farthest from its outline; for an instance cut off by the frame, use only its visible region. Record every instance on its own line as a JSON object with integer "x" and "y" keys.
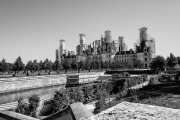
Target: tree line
{"x": 47, "y": 65}
{"x": 160, "y": 63}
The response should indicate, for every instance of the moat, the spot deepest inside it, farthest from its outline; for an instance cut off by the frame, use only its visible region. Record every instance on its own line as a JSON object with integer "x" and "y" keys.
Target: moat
{"x": 14, "y": 96}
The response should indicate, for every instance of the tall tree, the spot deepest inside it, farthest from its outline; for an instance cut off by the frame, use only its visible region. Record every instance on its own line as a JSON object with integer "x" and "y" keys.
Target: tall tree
{"x": 88, "y": 65}
{"x": 40, "y": 65}
{"x": 80, "y": 65}
{"x": 56, "y": 65}
{"x": 171, "y": 60}
{"x": 158, "y": 63}
{"x": 178, "y": 59}
{"x": 18, "y": 65}
{"x": 96, "y": 64}
{"x": 3, "y": 66}
{"x": 138, "y": 64}
{"x": 10, "y": 66}
{"x": 66, "y": 65}
{"x": 35, "y": 65}
{"x": 102, "y": 65}
{"x": 74, "y": 65}
{"x": 45, "y": 64}
{"x": 49, "y": 66}
{"x": 29, "y": 66}
{"x": 113, "y": 65}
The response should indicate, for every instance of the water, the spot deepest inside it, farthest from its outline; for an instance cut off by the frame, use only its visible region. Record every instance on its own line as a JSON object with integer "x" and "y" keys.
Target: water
{"x": 14, "y": 96}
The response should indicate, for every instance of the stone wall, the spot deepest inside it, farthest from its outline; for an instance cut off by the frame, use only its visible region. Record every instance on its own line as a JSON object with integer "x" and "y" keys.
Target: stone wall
{"x": 29, "y": 83}
{"x": 22, "y": 83}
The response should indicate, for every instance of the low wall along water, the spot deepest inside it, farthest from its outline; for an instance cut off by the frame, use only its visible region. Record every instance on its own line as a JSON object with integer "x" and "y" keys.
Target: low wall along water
{"x": 23, "y": 83}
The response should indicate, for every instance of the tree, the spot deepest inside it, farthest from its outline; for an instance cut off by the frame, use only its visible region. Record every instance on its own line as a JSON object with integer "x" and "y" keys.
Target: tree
{"x": 80, "y": 65}
{"x": 171, "y": 60}
{"x": 178, "y": 59}
{"x": 138, "y": 64}
{"x": 49, "y": 66}
{"x": 74, "y": 65}
{"x": 29, "y": 66}
{"x": 158, "y": 63}
{"x": 18, "y": 65}
{"x": 102, "y": 65}
{"x": 35, "y": 65}
{"x": 10, "y": 66}
{"x": 93, "y": 64}
{"x": 113, "y": 65}
{"x": 97, "y": 65}
{"x": 66, "y": 65}
{"x": 56, "y": 65}
{"x": 88, "y": 65}
{"x": 45, "y": 65}
{"x": 3, "y": 66}
{"x": 128, "y": 64}
{"x": 40, "y": 65}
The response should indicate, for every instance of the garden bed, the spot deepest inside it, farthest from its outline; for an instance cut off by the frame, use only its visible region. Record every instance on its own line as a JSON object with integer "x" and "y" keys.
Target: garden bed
{"x": 163, "y": 94}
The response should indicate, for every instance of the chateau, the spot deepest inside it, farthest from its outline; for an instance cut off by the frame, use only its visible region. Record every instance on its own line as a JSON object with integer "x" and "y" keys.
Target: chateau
{"x": 107, "y": 49}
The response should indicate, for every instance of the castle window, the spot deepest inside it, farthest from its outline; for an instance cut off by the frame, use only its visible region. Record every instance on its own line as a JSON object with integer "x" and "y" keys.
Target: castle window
{"x": 145, "y": 54}
{"x": 145, "y": 65}
{"x": 145, "y": 59}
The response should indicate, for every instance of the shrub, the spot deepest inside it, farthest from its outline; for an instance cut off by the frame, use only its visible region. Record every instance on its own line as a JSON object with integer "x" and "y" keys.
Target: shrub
{"x": 101, "y": 101}
{"x": 22, "y": 107}
{"x": 88, "y": 93}
{"x": 134, "y": 93}
{"x": 31, "y": 109}
{"x": 60, "y": 101}
{"x": 34, "y": 101}
{"x": 123, "y": 91}
{"x": 75, "y": 94}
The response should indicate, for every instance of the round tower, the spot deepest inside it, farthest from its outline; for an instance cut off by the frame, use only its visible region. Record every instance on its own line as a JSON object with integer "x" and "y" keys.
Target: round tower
{"x": 82, "y": 39}
{"x": 143, "y": 33}
{"x": 108, "y": 37}
{"x": 62, "y": 46}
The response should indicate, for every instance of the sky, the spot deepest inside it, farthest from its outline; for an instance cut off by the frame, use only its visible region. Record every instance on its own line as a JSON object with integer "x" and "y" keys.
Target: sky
{"x": 32, "y": 28}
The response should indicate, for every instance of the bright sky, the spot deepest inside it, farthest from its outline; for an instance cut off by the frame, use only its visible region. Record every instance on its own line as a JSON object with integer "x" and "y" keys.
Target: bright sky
{"x": 32, "y": 28}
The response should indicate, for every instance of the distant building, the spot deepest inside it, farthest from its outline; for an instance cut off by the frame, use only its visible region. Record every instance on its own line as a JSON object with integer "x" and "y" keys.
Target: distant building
{"x": 107, "y": 49}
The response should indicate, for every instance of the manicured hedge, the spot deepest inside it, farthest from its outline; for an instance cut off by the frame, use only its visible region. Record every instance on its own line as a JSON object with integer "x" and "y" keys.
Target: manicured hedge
{"x": 135, "y": 72}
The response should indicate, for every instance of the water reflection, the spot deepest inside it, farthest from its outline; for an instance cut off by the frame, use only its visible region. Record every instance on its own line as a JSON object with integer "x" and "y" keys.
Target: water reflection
{"x": 14, "y": 96}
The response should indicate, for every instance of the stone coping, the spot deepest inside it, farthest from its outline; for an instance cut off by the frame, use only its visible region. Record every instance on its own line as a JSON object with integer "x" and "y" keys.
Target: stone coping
{"x": 137, "y": 111}
{"x": 80, "y": 111}
{"x": 11, "y": 115}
